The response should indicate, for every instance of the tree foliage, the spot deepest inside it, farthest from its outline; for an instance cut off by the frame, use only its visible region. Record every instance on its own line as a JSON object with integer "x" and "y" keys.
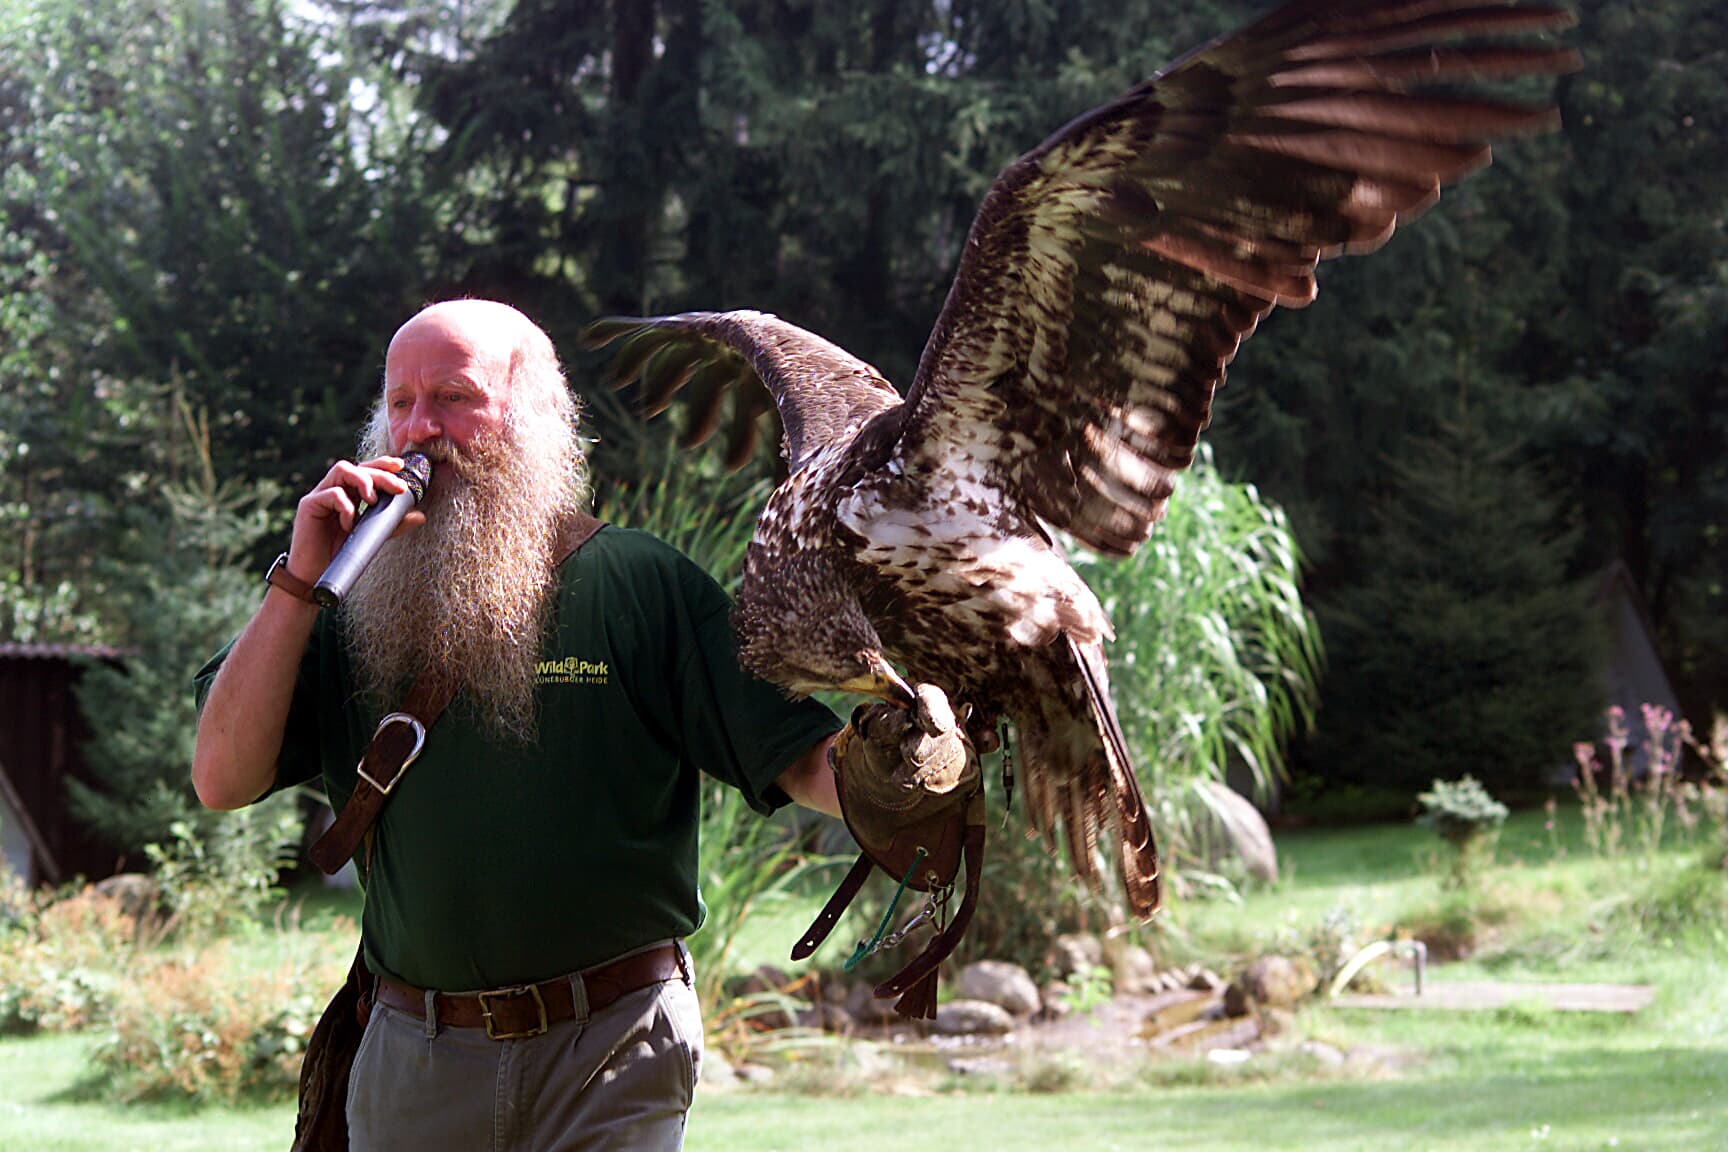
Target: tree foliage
{"x": 241, "y": 199}
{"x": 1469, "y": 589}
{"x": 188, "y": 197}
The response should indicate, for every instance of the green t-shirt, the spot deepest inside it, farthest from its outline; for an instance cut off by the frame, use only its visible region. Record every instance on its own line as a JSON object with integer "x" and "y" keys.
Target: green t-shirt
{"x": 497, "y": 865}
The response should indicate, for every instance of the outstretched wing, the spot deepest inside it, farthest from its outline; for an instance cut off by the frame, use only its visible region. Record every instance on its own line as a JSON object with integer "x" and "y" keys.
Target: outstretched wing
{"x": 1112, "y": 272}
{"x": 821, "y": 391}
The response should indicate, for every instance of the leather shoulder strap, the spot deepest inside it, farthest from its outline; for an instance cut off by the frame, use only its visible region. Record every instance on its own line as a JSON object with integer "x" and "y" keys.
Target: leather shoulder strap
{"x": 399, "y": 737}
{"x": 577, "y": 531}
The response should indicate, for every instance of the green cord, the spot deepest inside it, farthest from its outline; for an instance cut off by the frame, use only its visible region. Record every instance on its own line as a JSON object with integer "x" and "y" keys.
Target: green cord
{"x": 866, "y": 947}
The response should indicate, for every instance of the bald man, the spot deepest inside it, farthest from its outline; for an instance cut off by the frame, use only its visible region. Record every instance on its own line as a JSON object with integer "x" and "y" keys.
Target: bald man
{"x": 543, "y": 849}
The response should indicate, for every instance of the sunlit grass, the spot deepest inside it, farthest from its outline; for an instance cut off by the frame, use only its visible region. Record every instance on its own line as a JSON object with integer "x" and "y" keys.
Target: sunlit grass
{"x": 1520, "y": 1078}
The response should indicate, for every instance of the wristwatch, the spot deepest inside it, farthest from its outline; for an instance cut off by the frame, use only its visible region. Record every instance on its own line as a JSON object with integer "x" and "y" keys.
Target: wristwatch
{"x": 280, "y": 577}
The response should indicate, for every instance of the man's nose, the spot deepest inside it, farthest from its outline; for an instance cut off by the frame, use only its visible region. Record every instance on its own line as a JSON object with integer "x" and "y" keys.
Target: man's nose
{"x": 423, "y": 423}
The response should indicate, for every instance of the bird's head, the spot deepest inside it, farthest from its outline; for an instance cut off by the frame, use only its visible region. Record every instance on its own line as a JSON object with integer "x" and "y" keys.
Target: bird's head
{"x": 817, "y": 640}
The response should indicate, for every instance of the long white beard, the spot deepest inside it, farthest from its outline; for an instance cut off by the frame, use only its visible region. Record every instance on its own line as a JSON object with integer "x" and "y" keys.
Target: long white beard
{"x": 471, "y": 591}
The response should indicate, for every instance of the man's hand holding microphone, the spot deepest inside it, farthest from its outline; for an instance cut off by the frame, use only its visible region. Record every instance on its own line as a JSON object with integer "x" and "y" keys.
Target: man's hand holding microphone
{"x": 340, "y": 525}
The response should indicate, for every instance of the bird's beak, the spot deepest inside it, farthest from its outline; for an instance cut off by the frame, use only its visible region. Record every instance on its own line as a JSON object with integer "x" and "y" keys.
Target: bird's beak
{"x": 882, "y": 682}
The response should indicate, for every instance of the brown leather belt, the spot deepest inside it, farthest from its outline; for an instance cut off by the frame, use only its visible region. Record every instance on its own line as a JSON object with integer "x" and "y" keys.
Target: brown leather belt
{"x": 529, "y": 1009}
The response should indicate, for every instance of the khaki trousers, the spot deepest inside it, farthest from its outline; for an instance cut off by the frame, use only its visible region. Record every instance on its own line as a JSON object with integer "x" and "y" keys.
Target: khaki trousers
{"x": 621, "y": 1078}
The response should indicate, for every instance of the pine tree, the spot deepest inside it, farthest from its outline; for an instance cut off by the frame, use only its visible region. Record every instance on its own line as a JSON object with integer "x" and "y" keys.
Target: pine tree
{"x": 184, "y": 572}
{"x": 1467, "y": 649}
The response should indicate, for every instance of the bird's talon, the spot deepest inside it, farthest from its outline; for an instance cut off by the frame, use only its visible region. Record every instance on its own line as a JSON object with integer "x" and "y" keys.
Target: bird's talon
{"x": 933, "y": 713}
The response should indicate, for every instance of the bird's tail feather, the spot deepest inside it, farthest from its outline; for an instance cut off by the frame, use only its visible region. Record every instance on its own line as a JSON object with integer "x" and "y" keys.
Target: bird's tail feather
{"x": 1139, "y": 847}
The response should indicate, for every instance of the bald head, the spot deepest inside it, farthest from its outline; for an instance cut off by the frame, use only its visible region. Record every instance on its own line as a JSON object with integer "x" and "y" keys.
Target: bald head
{"x": 479, "y": 324}
{"x": 465, "y": 368}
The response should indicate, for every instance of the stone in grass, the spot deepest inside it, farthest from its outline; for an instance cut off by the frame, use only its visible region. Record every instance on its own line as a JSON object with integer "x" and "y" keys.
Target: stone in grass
{"x": 1074, "y": 952}
{"x": 1279, "y": 981}
{"x": 864, "y": 1007}
{"x": 828, "y": 1018}
{"x": 1133, "y": 971}
{"x": 971, "y": 1018}
{"x": 1322, "y": 1053}
{"x": 1205, "y": 980}
{"x": 1008, "y": 986}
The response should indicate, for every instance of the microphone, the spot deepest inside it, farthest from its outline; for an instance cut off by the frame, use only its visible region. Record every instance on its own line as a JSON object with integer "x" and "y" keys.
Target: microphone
{"x": 375, "y": 525}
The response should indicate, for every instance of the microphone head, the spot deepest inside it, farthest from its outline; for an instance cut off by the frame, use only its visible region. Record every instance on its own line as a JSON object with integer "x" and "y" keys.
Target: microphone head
{"x": 416, "y": 473}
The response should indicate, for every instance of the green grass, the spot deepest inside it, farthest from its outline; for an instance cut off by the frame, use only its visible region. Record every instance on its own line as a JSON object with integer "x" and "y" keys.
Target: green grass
{"x": 47, "y": 1105}
{"x": 1661, "y": 1100}
{"x": 1522, "y": 1078}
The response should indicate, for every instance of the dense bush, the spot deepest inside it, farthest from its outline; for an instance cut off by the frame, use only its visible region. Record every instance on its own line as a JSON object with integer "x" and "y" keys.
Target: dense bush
{"x": 199, "y": 1026}
{"x": 63, "y": 957}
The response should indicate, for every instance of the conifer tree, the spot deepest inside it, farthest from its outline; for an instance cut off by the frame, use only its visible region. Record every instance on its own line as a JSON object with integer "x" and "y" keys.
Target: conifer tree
{"x": 184, "y": 573}
{"x": 1468, "y": 647}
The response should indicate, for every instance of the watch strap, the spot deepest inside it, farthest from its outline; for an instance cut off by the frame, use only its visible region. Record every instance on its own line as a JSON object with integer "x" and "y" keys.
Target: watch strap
{"x": 280, "y": 577}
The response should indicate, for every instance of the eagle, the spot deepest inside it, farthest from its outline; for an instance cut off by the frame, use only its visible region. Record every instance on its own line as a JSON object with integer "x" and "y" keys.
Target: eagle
{"x": 1107, "y": 281}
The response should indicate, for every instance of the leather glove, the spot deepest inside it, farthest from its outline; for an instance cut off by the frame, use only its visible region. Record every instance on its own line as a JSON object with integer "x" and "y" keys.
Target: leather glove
{"x": 903, "y": 776}
{"x": 911, "y": 790}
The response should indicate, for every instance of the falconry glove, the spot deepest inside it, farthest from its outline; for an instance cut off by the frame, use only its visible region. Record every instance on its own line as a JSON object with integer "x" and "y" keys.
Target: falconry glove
{"x": 911, "y": 792}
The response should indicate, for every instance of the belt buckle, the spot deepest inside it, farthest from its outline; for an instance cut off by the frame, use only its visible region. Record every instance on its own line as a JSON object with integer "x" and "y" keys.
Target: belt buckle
{"x": 486, "y": 1012}
{"x": 413, "y": 755}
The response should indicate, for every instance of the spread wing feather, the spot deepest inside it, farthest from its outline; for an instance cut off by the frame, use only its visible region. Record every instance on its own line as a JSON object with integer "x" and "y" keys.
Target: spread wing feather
{"x": 821, "y": 392}
{"x": 1113, "y": 271}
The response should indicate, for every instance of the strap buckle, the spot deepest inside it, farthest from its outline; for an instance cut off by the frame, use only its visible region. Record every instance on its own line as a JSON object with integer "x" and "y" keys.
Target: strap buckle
{"x": 532, "y": 990}
{"x": 413, "y": 753}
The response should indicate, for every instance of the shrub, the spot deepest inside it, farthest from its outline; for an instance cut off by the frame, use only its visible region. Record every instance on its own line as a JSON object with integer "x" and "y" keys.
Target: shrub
{"x": 201, "y": 1028}
{"x": 62, "y": 958}
{"x": 1463, "y": 814}
{"x": 222, "y": 877}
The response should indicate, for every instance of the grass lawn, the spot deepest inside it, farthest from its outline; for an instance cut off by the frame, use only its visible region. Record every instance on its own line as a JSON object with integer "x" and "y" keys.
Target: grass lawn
{"x": 1520, "y": 1078}
{"x": 46, "y": 1105}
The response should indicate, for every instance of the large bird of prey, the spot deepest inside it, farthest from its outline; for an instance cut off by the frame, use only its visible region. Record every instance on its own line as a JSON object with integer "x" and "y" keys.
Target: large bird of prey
{"x": 1106, "y": 283}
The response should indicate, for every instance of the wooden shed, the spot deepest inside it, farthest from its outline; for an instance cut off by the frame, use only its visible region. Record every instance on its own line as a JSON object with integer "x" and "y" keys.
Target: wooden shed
{"x": 42, "y": 731}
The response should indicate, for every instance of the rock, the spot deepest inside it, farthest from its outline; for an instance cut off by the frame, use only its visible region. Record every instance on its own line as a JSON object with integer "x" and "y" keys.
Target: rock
{"x": 716, "y": 1072}
{"x": 971, "y": 1018}
{"x": 1134, "y": 971}
{"x": 1205, "y": 980}
{"x": 137, "y": 895}
{"x": 1244, "y": 829}
{"x": 829, "y": 1018}
{"x": 767, "y": 978}
{"x": 771, "y": 1014}
{"x": 1277, "y": 1021}
{"x": 754, "y": 1073}
{"x": 1008, "y": 986}
{"x": 1236, "y": 1000}
{"x": 1279, "y": 981}
{"x": 864, "y": 1008}
{"x": 1054, "y": 997}
{"x": 1323, "y": 1053}
{"x": 1073, "y": 953}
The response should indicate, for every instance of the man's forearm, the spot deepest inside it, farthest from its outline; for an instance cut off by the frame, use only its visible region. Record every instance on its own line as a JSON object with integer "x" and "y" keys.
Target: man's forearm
{"x": 810, "y": 781}
{"x": 240, "y": 728}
